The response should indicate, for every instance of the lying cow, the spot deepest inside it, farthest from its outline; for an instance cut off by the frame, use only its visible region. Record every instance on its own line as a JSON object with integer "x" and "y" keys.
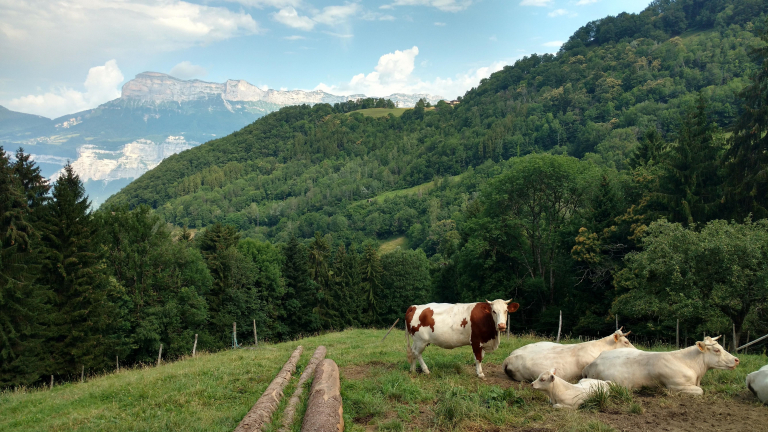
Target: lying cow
{"x": 757, "y": 383}
{"x": 679, "y": 371}
{"x": 563, "y": 394}
{"x": 455, "y": 325}
{"x": 528, "y": 362}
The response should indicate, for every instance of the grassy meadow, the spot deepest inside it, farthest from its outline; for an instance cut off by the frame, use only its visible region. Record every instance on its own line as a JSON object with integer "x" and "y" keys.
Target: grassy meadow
{"x": 212, "y": 392}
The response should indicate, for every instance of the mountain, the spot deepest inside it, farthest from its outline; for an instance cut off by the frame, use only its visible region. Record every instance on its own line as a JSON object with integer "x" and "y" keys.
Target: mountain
{"x": 306, "y": 169}
{"x": 157, "y": 115}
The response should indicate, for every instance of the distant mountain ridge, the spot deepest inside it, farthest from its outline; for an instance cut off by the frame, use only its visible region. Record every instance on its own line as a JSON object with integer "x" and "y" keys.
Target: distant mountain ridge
{"x": 156, "y": 116}
{"x": 159, "y": 87}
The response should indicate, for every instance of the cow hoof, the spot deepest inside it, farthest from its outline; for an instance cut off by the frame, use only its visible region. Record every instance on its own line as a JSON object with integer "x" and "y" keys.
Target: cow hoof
{"x": 481, "y": 376}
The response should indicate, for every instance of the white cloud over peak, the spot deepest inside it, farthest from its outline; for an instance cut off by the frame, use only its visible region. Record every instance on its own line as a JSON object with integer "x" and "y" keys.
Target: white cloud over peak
{"x": 288, "y": 16}
{"x": 101, "y": 86}
{"x": 535, "y": 2}
{"x": 187, "y": 70}
{"x": 394, "y": 74}
{"x": 558, "y": 12}
{"x": 37, "y": 33}
{"x": 443, "y": 5}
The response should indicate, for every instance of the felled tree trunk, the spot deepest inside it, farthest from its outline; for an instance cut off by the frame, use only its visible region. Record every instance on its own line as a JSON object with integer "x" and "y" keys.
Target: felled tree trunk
{"x": 262, "y": 411}
{"x": 324, "y": 410}
{"x": 290, "y": 410}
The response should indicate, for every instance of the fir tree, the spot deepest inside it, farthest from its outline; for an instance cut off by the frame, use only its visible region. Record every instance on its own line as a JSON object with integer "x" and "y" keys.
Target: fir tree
{"x": 747, "y": 157}
{"x": 33, "y": 184}
{"x": 370, "y": 271}
{"x": 649, "y": 150}
{"x": 300, "y": 297}
{"x": 22, "y": 300}
{"x": 73, "y": 268}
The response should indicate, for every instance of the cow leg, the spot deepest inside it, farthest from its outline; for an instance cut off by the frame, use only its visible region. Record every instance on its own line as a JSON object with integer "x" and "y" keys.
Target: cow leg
{"x": 478, "y": 364}
{"x": 691, "y": 390}
{"x": 418, "y": 348}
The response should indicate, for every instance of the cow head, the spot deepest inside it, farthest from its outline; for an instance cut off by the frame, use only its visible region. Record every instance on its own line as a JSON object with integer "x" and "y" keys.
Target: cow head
{"x": 545, "y": 380}
{"x": 620, "y": 340}
{"x": 715, "y": 356}
{"x": 499, "y": 311}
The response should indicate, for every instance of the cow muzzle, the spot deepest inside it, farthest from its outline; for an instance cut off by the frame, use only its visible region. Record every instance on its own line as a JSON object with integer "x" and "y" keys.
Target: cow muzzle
{"x": 502, "y": 327}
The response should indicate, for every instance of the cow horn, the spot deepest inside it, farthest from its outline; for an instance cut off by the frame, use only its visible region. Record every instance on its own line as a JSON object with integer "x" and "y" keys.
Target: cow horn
{"x": 507, "y": 302}
{"x": 620, "y": 329}
{"x": 486, "y": 300}
{"x": 714, "y": 339}
{"x": 627, "y": 333}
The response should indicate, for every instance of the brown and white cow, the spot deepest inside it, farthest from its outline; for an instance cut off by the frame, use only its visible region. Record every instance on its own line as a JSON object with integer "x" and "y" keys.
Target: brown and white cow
{"x": 456, "y": 325}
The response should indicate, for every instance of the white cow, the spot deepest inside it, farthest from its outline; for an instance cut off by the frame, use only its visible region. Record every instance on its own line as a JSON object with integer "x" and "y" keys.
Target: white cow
{"x": 528, "y": 362}
{"x": 563, "y": 394}
{"x": 757, "y": 383}
{"x": 455, "y": 325}
{"x": 679, "y": 371}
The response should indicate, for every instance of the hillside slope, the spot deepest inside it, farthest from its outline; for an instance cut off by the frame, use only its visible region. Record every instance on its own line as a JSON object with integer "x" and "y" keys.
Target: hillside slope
{"x": 214, "y": 391}
{"x": 303, "y": 167}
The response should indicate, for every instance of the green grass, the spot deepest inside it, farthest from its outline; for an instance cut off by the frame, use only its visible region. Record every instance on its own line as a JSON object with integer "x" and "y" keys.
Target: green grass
{"x": 381, "y": 112}
{"x": 393, "y": 243}
{"x": 213, "y": 392}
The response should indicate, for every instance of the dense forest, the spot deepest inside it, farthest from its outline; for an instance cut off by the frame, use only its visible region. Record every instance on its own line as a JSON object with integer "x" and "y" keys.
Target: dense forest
{"x": 624, "y": 175}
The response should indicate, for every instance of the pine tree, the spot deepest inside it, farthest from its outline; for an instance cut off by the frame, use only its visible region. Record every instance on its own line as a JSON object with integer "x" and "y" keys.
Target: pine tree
{"x": 73, "y": 268}
{"x": 747, "y": 157}
{"x": 22, "y": 300}
{"x": 370, "y": 271}
{"x": 300, "y": 297}
{"x": 34, "y": 185}
{"x": 689, "y": 190}
{"x": 214, "y": 244}
{"x": 649, "y": 150}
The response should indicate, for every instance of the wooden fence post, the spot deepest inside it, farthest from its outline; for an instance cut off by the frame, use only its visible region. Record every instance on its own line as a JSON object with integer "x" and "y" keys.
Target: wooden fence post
{"x": 677, "y": 335}
{"x": 82, "y": 374}
{"x": 746, "y": 341}
{"x": 390, "y": 329}
{"x": 194, "y": 347}
{"x": 508, "y": 321}
{"x": 160, "y": 354}
{"x": 617, "y": 321}
{"x": 234, "y": 335}
{"x": 51, "y": 382}
{"x": 559, "y": 326}
{"x": 117, "y": 363}
{"x": 255, "y": 336}
{"x": 735, "y": 341}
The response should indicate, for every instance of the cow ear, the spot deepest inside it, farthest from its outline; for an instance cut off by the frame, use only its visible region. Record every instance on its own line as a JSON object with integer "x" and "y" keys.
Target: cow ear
{"x": 615, "y": 337}
{"x": 552, "y": 377}
{"x": 513, "y": 307}
{"x": 701, "y": 345}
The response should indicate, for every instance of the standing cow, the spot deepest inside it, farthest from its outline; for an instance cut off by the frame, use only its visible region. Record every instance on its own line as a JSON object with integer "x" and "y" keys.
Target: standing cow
{"x": 679, "y": 371}
{"x": 456, "y": 325}
{"x": 528, "y": 362}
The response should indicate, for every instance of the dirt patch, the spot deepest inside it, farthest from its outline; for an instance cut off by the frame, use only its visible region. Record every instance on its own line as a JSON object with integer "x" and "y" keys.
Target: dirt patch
{"x": 692, "y": 414}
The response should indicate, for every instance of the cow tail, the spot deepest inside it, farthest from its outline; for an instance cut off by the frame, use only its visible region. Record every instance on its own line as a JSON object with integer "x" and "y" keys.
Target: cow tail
{"x": 408, "y": 349}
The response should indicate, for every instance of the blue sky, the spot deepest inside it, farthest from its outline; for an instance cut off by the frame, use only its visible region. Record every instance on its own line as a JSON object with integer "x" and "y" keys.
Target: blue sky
{"x": 62, "y": 57}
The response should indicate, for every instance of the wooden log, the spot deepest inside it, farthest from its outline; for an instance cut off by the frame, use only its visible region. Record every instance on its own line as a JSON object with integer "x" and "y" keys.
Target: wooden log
{"x": 559, "y": 326}
{"x": 194, "y": 347}
{"x": 324, "y": 408}
{"x": 160, "y": 355}
{"x": 390, "y": 329}
{"x": 262, "y": 411}
{"x": 290, "y": 410}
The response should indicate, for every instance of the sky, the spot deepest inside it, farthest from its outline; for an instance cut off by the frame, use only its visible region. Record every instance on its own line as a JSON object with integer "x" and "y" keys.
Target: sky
{"x": 64, "y": 56}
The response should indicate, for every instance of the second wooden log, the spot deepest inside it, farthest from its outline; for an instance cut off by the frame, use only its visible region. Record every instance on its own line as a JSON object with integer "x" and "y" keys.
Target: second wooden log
{"x": 262, "y": 411}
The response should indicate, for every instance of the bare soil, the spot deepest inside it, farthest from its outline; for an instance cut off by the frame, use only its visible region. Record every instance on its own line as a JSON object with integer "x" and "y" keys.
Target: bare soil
{"x": 661, "y": 412}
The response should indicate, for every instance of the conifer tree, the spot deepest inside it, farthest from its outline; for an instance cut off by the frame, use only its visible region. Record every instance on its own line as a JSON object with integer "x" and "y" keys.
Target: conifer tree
{"x": 689, "y": 190}
{"x": 747, "y": 157}
{"x": 370, "y": 272}
{"x": 22, "y": 300}
{"x": 33, "y": 184}
{"x": 84, "y": 313}
{"x": 300, "y": 298}
{"x": 649, "y": 150}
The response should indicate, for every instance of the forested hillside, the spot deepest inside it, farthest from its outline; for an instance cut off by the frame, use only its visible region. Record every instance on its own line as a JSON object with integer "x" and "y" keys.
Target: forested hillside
{"x": 559, "y": 181}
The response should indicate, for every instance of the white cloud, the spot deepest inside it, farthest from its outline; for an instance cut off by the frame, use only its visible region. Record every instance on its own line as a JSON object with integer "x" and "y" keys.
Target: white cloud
{"x": 278, "y": 4}
{"x": 535, "y": 2}
{"x": 556, "y": 44}
{"x": 586, "y": 2}
{"x": 291, "y": 18}
{"x": 443, "y": 5}
{"x": 101, "y": 86}
{"x": 187, "y": 70}
{"x": 335, "y": 15}
{"x": 493, "y": 39}
{"x": 394, "y": 74}
{"x": 440, "y": 24}
{"x": 294, "y": 37}
{"x": 340, "y": 35}
{"x": 558, "y": 12}
{"x": 45, "y": 31}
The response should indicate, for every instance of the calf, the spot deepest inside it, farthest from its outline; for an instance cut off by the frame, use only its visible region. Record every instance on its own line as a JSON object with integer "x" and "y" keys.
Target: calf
{"x": 528, "y": 362}
{"x": 563, "y": 394}
{"x": 455, "y": 325}
{"x": 679, "y": 371}
{"x": 757, "y": 383}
